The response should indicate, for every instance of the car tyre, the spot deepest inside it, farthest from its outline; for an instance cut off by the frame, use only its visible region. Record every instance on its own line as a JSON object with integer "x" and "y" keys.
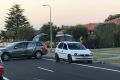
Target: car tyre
{"x": 5, "y": 57}
{"x": 29, "y": 57}
{"x": 1, "y": 78}
{"x": 57, "y": 59}
{"x": 38, "y": 55}
{"x": 70, "y": 59}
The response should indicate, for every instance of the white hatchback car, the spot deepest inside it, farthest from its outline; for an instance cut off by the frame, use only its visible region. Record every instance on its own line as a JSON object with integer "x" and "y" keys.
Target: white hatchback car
{"x": 72, "y": 51}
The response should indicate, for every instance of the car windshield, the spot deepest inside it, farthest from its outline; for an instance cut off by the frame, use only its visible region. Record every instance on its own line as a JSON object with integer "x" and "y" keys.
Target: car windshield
{"x": 76, "y": 46}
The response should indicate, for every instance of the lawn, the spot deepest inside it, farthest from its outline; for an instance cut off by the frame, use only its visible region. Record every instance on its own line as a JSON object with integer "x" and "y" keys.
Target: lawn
{"x": 107, "y": 50}
{"x": 99, "y": 55}
{"x": 107, "y": 53}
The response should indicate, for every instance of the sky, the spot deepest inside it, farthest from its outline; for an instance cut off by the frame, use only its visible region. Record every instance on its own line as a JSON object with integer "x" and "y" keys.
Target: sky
{"x": 64, "y": 12}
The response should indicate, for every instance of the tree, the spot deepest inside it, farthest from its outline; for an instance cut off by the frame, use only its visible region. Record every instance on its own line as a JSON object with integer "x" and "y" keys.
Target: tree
{"x": 77, "y": 32}
{"x": 117, "y": 36}
{"x": 104, "y": 32}
{"x": 46, "y": 29}
{"x": 25, "y": 33}
{"x": 3, "y": 35}
{"x": 15, "y": 20}
{"x": 111, "y": 17}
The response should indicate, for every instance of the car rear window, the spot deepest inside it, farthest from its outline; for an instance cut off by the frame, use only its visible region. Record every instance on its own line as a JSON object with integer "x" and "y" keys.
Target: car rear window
{"x": 31, "y": 44}
{"x": 39, "y": 44}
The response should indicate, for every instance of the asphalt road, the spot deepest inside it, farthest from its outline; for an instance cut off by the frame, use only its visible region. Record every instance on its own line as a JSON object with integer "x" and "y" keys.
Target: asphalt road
{"x": 48, "y": 69}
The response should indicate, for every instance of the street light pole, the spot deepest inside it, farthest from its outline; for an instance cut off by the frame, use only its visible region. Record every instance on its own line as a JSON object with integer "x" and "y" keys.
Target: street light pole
{"x": 50, "y": 27}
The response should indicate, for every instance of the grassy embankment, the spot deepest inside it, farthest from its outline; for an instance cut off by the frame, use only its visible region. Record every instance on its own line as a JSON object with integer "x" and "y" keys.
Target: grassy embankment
{"x": 107, "y": 53}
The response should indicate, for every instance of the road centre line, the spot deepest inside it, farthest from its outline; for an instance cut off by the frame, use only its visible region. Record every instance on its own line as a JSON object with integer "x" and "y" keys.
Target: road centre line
{"x": 113, "y": 70}
{"x": 45, "y": 69}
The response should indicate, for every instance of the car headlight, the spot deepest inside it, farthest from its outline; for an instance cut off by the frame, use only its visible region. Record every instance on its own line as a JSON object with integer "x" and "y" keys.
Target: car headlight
{"x": 75, "y": 54}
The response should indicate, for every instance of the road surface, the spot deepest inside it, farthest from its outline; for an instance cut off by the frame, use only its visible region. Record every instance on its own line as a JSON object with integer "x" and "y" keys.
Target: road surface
{"x": 48, "y": 69}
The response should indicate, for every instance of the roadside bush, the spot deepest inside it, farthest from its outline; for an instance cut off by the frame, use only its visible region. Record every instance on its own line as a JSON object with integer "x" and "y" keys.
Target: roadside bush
{"x": 105, "y": 33}
{"x": 77, "y": 32}
{"x": 117, "y": 36}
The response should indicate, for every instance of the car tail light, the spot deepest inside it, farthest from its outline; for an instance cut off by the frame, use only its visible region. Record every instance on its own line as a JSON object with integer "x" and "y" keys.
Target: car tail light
{"x": 45, "y": 47}
{"x": 1, "y": 70}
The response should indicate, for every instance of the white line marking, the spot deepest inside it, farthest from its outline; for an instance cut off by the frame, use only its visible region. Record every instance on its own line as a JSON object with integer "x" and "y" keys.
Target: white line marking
{"x": 97, "y": 67}
{"x": 37, "y": 79}
{"x": 46, "y": 69}
{"x": 90, "y": 66}
{"x": 49, "y": 59}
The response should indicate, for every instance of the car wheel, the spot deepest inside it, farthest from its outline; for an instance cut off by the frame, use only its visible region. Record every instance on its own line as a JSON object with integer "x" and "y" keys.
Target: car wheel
{"x": 1, "y": 78}
{"x": 70, "y": 59}
{"x": 90, "y": 61}
{"x": 38, "y": 55}
{"x": 57, "y": 59}
{"x": 29, "y": 57}
{"x": 5, "y": 57}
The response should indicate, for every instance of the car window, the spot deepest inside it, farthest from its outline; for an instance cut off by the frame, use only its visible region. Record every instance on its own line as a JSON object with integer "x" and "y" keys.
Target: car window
{"x": 31, "y": 44}
{"x": 21, "y": 45}
{"x": 60, "y": 45}
{"x": 39, "y": 44}
{"x": 76, "y": 46}
{"x": 65, "y": 46}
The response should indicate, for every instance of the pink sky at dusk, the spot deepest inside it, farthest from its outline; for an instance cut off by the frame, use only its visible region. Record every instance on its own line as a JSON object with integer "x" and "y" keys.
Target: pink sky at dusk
{"x": 64, "y": 12}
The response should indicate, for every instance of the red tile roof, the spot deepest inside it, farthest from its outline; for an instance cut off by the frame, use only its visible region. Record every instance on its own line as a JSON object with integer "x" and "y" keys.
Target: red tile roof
{"x": 91, "y": 26}
{"x": 116, "y": 21}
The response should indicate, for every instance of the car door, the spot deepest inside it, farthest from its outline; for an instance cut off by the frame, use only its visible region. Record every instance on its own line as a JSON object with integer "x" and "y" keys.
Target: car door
{"x": 30, "y": 48}
{"x": 64, "y": 51}
{"x": 19, "y": 49}
{"x": 59, "y": 49}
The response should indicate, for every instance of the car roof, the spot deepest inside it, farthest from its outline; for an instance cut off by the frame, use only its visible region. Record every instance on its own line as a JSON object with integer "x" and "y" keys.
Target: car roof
{"x": 69, "y": 42}
{"x": 19, "y": 42}
{"x": 22, "y": 41}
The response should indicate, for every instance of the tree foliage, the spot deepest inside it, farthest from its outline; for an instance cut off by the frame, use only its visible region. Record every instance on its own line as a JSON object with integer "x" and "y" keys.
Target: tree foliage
{"x": 77, "y": 31}
{"x": 105, "y": 34}
{"x": 111, "y": 17}
{"x": 117, "y": 36}
{"x": 15, "y": 22}
{"x": 25, "y": 33}
{"x": 46, "y": 29}
{"x": 3, "y": 36}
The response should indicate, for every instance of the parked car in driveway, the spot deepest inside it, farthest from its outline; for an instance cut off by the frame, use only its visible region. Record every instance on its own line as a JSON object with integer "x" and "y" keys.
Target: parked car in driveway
{"x": 72, "y": 51}
{"x": 23, "y": 49}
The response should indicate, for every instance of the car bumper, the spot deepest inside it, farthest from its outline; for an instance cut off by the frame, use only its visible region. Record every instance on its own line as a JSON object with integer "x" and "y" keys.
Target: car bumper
{"x": 79, "y": 58}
